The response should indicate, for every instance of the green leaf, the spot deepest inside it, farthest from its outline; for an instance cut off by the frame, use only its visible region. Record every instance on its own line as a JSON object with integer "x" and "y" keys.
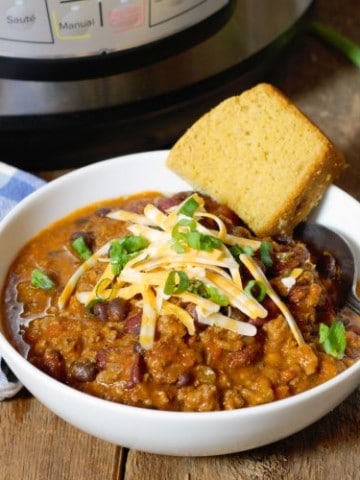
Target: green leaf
{"x": 333, "y": 339}
{"x": 39, "y": 279}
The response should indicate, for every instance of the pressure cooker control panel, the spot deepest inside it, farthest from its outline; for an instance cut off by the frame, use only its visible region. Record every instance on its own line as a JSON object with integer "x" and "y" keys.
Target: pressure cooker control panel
{"x": 48, "y": 29}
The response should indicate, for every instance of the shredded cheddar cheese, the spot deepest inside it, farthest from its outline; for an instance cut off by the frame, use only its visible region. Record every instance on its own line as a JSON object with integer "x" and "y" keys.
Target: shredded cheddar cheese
{"x": 177, "y": 241}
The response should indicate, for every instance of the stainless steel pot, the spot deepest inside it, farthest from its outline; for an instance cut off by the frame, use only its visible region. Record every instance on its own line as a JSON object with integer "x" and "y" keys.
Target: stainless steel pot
{"x": 71, "y": 55}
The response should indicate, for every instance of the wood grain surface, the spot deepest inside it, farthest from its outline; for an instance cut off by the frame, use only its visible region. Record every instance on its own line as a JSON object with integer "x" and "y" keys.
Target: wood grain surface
{"x": 328, "y": 449}
{"x": 37, "y": 445}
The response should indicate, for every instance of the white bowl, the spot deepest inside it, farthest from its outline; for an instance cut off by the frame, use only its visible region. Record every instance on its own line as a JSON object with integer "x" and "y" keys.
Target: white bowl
{"x": 172, "y": 433}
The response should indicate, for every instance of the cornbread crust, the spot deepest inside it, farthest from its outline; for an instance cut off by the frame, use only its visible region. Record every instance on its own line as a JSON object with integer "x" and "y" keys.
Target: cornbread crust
{"x": 260, "y": 155}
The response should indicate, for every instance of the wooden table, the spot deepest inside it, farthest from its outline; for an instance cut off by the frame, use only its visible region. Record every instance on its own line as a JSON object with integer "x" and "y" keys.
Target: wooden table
{"x": 37, "y": 445}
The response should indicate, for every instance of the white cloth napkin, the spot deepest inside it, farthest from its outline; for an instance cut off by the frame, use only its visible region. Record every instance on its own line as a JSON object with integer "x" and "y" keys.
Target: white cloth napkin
{"x": 15, "y": 185}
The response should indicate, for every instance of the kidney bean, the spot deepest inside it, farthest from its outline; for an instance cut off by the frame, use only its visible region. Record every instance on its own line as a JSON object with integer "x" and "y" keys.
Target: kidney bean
{"x": 102, "y": 358}
{"x": 100, "y": 311}
{"x": 117, "y": 309}
{"x": 133, "y": 322}
{"x": 137, "y": 371}
{"x": 113, "y": 311}
{"x": 83, "y": 370}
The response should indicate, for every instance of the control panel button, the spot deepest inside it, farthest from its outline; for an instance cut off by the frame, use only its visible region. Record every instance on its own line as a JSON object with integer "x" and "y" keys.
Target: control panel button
{"x": 24, "y": 20}
{"x": 74, "y": 21}
{"x": 20, "y": 18}
{"x": 126, "y": 15}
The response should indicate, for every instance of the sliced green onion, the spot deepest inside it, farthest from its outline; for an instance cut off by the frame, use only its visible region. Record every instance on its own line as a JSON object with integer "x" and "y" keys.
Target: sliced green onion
{"x": 201, "y": 241}
{"x": 189, "y": 207}
{"x": 236, "y": 251}
{"x": 177, "y": 247}
{"x": 134, "y": 243}
{"x": 125, "y": 249}
{"x": 185, "y": 231}
{"x": 256, "y": 289}
{"x": 80, "y": 247}
{"x": 208, "y": 243}
{"x": 177, "y": 282}
{"x": 333, "y": 339}
{"x": 217, "y": 297}
{"x": 101, "y": 287}
{"x": 248, "y": 250}
{"x": 39, "y": 279}
{"x": 193, "y": 239}
{"x": 197, "y": 287}
{"x": 182, "y": 228}
{"x": 265, "y": 249}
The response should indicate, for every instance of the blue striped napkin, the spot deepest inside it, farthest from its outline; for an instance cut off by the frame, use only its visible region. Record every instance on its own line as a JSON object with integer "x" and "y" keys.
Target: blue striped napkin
{"x": 14, "y": 186}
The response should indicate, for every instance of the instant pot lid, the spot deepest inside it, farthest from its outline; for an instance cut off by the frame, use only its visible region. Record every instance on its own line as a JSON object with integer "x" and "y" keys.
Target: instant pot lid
{"x": 68, "y": 123}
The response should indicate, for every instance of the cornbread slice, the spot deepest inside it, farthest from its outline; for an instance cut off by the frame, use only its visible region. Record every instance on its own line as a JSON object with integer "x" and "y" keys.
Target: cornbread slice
{"x": 261, "y": 156}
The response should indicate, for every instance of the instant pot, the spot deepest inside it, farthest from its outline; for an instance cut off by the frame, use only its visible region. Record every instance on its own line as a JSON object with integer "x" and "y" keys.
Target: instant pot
{"x": 83, "y": 80}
